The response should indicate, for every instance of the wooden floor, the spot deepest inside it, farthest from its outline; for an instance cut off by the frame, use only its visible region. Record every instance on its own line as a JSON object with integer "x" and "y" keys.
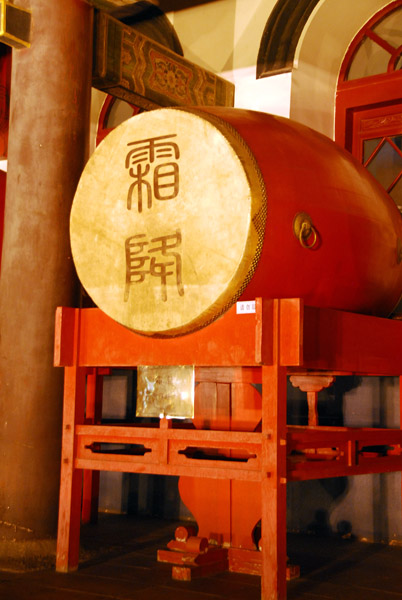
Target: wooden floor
{"x": 118, "y": 562}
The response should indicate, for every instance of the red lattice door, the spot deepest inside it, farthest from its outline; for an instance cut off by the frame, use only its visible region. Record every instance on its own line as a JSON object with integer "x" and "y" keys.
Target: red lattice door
{"x": 377, "y": 143}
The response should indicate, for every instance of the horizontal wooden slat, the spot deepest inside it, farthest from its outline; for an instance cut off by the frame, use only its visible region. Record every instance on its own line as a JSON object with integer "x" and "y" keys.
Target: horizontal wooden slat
{"x": 128, "y": 65}
{"x": 65, "y": 340}
{"x": 229, "y": 341}
{"x": 121, "y": 434}
{"x": 354, "y": 451}
{"x": 312, "y": 339}
{"x": 175, "y": 471}
{"x": 320, "y": 339}
{"x": 163, "y": 456}
{"x": 311, "y": 470}
{"x": 342, "y": 341}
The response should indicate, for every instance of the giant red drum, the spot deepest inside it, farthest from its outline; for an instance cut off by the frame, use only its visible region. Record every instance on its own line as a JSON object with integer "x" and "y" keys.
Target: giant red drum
{"x": 182, "y": 212}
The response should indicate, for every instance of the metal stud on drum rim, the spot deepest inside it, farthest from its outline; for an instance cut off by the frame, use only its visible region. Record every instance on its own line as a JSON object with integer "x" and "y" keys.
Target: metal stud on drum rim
{"x": 149, "y": 228}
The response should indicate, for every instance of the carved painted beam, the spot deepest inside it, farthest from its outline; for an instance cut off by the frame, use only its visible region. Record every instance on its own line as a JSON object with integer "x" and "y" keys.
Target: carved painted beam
{"x": 137, "y": 69}
{"x": 113, "y": 4}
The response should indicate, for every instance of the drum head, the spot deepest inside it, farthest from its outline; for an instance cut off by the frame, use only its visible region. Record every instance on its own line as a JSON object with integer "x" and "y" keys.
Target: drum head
{"x": 168, "y": 221}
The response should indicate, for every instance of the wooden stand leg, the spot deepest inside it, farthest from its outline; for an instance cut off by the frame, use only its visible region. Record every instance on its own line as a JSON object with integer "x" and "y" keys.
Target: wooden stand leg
{"x": 68, "y": 536}
{"x": 273, "y": 486}
{"x": 93, "y": 414}
{"x": 400, "y": 410}
{"x": 90, "y": 496}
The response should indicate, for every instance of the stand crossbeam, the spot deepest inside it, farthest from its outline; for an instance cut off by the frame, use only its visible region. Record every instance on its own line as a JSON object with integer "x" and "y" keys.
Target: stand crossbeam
{"x": 282, "y": 338}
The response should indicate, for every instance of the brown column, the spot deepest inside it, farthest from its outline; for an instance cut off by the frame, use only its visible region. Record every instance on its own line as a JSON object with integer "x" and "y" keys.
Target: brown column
{"x": 48, "y": 145}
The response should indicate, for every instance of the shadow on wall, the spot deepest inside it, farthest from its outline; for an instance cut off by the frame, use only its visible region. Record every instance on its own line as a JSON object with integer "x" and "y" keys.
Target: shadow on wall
{"x": 131, "y": 493}
{"x": 365, "y": 506}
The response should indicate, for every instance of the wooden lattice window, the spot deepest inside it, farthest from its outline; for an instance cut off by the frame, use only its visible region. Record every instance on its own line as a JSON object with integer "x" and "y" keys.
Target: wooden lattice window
{"x": 369, "y": 99}
{"x": 377, "y": 144}
{"x": 377, "y": 48}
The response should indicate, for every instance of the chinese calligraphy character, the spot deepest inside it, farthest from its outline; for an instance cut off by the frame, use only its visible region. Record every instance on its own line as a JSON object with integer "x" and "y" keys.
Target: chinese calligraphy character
{"x": 154, "y": 258}
{"x": 163, "y": 184}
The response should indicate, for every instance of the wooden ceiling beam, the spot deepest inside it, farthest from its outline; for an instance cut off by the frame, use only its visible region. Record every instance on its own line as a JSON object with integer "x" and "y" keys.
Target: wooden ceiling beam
{"x": 111, "y": 5}
{"x": 143, "y": 72}
{"x": 165, "y": 5}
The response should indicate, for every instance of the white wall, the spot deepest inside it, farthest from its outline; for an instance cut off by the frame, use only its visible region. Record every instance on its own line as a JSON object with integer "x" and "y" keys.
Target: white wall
{"x": 224, "y": 37}
{"x": 319, "y": 55}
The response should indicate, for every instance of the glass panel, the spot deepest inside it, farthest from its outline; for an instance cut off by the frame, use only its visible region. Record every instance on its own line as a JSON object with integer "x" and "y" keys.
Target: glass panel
{"x": 396, "y": 194}
{"x": 390, "y": 28}
{"x": 397, "y": 139}
{"x": 369, "y": 59}
{"x": 120, "y": 111}
{"x": 386, "y": 164}
{"x": 369, "y": 146}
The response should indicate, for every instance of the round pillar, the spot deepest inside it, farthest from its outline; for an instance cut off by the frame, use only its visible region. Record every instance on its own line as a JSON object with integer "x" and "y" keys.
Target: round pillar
{"x": 48, "y": 147}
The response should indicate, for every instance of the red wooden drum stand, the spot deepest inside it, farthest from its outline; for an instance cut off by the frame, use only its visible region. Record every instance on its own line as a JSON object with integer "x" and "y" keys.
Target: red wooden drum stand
{"x": 282, "y": 338}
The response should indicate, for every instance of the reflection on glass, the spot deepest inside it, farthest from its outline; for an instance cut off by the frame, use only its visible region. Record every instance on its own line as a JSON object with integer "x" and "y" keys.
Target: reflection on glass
{"x": 390, "y": 28}
{"x": 369, "y": 146}
{"x": 165, "y": 391}
{"x": 396, "y": 194}
{"x": 370, "y": 59}
{"x": 397, "y": 140}
{"x": 387, "y": 162}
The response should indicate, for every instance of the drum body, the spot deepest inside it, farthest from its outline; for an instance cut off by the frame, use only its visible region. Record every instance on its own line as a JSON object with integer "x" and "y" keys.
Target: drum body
{"x": 182, "y": 212}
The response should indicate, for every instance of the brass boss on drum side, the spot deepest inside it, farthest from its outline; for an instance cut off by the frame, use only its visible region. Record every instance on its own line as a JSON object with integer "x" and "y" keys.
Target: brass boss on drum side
{"x": 181, "y": 212}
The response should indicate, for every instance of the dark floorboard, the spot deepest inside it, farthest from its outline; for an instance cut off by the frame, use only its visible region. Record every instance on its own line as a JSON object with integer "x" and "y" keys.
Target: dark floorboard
{"x": 118, "y": 562}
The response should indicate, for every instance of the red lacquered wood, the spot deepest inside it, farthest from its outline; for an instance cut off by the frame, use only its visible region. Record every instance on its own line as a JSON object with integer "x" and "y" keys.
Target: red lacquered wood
{"x": 227, "y": 406}
{"x": 400, "y": 408}
{"x": 297, "y": 340}
{"x": 5, "y": 85}
{"x": 233, "y": 341}
{"x": 70, "y": 477}
{"x": 273, "y": 476}
{"x": 163, "y": 451}
{"x": 349, "y": 262}
{"x": 3, "y": 179}
{"x": 367, "y": 29}
{"x": 340, "y": 341}
{"x": 93, "y": 415}
{"x": 352, "y": 96}
{"x": 312, "y": 384}
{"x": 362, "y": 93}
{"x": 316, "y": 339}
{"x": 67, "y": 336}
{"x": 320, "y": 452}
{"x": 353, "y": 265}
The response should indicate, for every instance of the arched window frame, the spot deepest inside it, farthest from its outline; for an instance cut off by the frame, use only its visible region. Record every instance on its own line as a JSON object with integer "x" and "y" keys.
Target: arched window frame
{"x": 359, "y": 94}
